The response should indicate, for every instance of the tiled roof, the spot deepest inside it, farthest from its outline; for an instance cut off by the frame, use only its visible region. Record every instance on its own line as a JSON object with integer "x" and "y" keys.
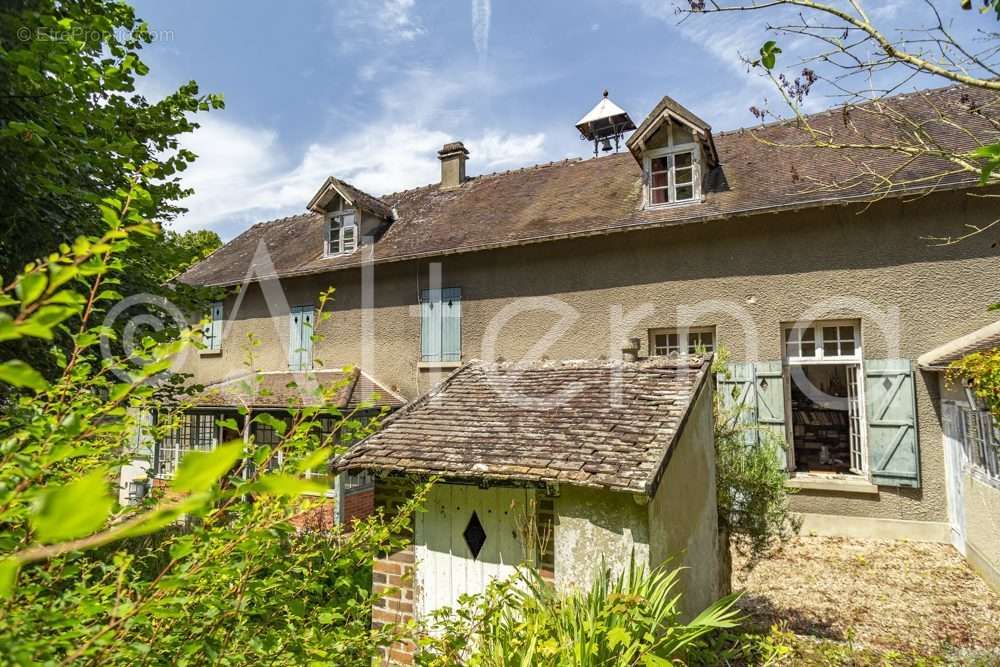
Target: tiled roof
{"x": 603, "y": 195}
{"x": 981, "y": 340}
{"x": 606, "y": 424}
{"x": 281, "y": 390}
{"x": 356, "y": 197}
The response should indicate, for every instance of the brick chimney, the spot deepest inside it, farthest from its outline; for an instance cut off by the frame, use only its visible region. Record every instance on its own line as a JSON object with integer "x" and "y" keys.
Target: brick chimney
{"x": 452, "y": 158}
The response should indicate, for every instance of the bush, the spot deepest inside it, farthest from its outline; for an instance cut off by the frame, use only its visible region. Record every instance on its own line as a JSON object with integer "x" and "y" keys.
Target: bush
{"x": 629, "y": 619}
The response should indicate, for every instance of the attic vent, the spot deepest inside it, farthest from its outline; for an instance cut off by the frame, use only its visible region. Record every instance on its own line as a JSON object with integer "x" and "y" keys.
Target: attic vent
{"x": 605, "y": 123}
{"x": 475, "y": 535}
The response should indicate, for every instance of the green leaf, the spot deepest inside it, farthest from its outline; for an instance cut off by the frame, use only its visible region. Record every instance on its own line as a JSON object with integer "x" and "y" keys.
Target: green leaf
{"x": 182, "y": 547}
{"x": 618, "y": 635}
{"x": 198, "y": 471}
{"x": 20, "y": 374}
{"x": 768, "y": 54}
{"x": 72, "y": 510}
{"x": 30, "y": 287}
{"x": 990, "y": 156}
{"x": 289, "y": 485}
{"x": 8, "y": 577}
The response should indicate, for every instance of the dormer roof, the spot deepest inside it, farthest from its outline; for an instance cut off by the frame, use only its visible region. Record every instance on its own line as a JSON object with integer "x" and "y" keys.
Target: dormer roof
{"x": 354, "y": 198}
{"x": 670, "y": 110}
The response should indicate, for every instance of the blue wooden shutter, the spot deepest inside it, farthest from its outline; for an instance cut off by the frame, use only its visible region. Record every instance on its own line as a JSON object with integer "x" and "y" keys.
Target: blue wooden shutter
{"x": 451, "y": 324}
{"x": 215, "y": 339}
{"x": 890, "y": 403}
{"x": 430, "y": 325}
{"x": 294, "y": 339}
{"x": 306, "y": 354}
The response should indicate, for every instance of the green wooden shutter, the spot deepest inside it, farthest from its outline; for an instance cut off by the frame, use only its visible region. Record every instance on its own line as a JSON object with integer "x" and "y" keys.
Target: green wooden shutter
{"x": 451, "y": 324}
{"x": 890, "y": 404}
{"x": 769, "y": 380}
{"x": 215, "y": 340}
{"x": 754, "y": 394}
{"x": 736, "y": 389}
{"x": 294, "y": 339}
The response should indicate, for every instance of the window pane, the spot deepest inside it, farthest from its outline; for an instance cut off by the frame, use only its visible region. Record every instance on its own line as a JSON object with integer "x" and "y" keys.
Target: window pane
{"x": 808, "y": 334}
{"x": 808, "y": 349}
{"x": 830, "y": 348}
{"x": 685, "y": 192}
{"x": 660, "y": 164}
{"x": 682, "y": 176}
{"x": 847, "y": 347}
{"x": 660, "y": 180}
{"x": 847, "y": 333}
{"x": 659, "y": 196}
{"x": 682, "y": 160}
{"x": 830, "y": 333}
{"x": 660, "y": 344}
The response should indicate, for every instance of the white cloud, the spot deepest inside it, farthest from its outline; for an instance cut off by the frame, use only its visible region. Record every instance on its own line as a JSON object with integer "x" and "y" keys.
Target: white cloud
{"x": 388, "y": 21}
{"x": 481, "y": 11}
{"x": 241, "y": 175}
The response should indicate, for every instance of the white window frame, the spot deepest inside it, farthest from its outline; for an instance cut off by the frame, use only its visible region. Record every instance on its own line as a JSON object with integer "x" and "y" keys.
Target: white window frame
{"x": 856, "y": 413}
{"x": 981, "y": 442}
{"x": 344, "y": 236}
{"x": 685, "y": 341}
{"x": 670, "y": 151}
{"x": 819, "y": 355}
{"x": 173, "y": 446}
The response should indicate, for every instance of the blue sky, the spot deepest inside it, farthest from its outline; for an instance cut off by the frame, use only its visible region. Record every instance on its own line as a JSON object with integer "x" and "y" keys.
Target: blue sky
{"x": 368, "y": 90}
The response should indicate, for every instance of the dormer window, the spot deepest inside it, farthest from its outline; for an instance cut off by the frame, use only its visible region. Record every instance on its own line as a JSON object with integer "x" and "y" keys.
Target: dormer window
{"x": 673, "y": 176}
{"x": 342, "y": 232}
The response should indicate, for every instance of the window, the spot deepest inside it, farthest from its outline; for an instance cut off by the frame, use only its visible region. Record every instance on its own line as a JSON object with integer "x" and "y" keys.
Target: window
{"x": 357, "y": 480}
{"x": 195, "y": 432}
{"x": 264, "y": 434}
{"x": 213, "y": 329}
{"x": 981, "y": 441}
{"x": 300, "y": 340}
{"x": 342, "y": 232}
{"x": 677, "y": 342}
{"x": 441, "y": 324}
{"x": 673, "y": 177}
{"x": 823, "y": 341}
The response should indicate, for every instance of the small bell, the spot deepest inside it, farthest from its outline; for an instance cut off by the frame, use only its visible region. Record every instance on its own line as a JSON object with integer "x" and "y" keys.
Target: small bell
{"x": 606, "y": 145}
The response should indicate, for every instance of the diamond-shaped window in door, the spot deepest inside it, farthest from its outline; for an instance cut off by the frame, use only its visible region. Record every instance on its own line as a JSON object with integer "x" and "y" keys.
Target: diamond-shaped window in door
{"x": 475, "y": 535}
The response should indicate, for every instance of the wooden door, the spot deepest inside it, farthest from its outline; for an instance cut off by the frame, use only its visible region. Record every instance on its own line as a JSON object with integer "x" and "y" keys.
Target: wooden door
{"x": 446, "y": 534}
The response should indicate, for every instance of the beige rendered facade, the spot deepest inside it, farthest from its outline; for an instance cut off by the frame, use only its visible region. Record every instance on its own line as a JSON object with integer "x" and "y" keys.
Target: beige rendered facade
{"x": 745, "y": 277}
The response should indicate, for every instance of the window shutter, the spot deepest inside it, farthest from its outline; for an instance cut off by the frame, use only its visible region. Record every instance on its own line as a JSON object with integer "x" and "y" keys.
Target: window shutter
{"x": 769, "y": 380}
{"x": 430, "y": 326}
{"x": 757, "y": 392}
{"x": 306, "y": 335}
{"x": 294, "y": 339}
{"x": 890, "y": 402}
{"x": 451, "y": 325}
{"x": 216, "y": 327}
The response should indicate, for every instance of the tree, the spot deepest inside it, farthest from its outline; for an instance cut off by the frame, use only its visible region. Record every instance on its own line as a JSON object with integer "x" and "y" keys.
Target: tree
{"x": 72, "y": 129}
{"x": 846, "y": 51}
{"x": 83, "y": 580}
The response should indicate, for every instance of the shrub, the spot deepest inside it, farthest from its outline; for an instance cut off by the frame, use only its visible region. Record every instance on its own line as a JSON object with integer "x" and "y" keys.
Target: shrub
{"x": 631, "y": 618}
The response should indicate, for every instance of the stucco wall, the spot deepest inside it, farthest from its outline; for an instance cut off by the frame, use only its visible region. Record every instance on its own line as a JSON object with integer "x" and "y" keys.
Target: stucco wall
{"x": 683, "y": 516}
{"x": 750, "y": 273}
{"x": 594, "y": 527}
{"x": 982, "y": 528}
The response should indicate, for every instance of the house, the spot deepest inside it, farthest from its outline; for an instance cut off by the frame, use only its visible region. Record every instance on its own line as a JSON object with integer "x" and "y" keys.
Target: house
{"x": 972, "y": 455}
{"x": 818, "y": 280}
{"x": 571, "y": 465}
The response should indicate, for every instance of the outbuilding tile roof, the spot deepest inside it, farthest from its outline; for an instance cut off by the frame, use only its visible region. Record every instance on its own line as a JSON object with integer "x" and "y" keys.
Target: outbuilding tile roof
{"x": 607, "y": 424}
{"x": 350, "y": 389}
{"x": 758, "y": 172}
{"x": 981, "y": 340}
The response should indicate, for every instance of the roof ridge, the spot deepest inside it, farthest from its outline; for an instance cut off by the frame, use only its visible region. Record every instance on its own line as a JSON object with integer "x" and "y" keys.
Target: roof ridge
{"x": 837, "y": 108}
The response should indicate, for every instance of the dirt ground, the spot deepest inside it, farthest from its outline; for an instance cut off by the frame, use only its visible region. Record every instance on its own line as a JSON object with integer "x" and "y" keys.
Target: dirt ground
{"x": 901, "y": 596}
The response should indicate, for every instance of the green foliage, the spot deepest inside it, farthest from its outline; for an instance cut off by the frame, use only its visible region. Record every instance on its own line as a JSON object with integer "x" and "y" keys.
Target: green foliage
{"x": 211, "y": 570}
{"x": 750, "y": 481}
{"x": 768, "y": 54}
{"x": 982, "y": 369}
{"x": 72, "y": 130}
{"x": 629, "y": 619}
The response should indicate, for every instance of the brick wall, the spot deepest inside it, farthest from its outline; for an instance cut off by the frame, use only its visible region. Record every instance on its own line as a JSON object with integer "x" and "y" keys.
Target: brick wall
{"x": 358, "y": 505}
{"x": 392, "y": 577}
{"x": 319, "y": 518}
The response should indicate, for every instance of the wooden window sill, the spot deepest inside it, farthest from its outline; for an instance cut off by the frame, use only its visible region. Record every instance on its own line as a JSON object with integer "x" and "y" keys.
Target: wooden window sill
{"x": 836, "y": 483}
{"x": 210, "y": 353}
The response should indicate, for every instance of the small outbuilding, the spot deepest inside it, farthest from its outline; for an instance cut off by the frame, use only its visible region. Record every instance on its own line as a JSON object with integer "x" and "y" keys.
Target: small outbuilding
{"x": 566, "y": 465}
